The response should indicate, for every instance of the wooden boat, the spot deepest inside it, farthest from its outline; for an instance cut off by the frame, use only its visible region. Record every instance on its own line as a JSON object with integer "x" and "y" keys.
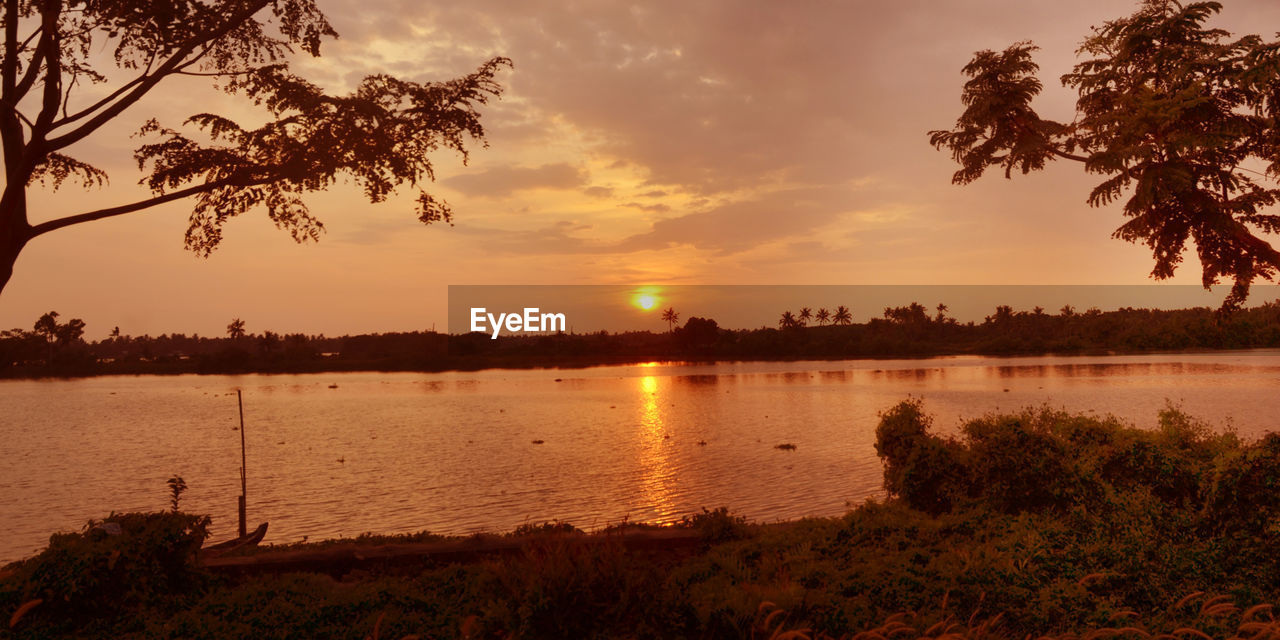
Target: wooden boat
{"x": 249, "y": 540}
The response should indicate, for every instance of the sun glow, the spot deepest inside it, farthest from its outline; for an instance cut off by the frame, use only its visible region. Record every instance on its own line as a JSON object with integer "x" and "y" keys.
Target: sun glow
{"x": 645, "y": 299}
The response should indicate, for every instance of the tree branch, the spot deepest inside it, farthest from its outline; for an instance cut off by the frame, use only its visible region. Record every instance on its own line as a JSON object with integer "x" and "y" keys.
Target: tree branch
{"x": 174, "y": 62}
{"x": 97, "y": 105}
{"x": 52, "y": 225}
{"x": 52, "y": 81}
{"x": 9, "y": 68}
{"x": 10, "y": 127}
{"x": 1068, "y": 156}
{"x": 33, "y": 70}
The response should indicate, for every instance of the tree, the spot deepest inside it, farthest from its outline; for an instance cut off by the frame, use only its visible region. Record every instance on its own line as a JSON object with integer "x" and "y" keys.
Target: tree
{"x": 47, "y": 327}
{"x": 788, "y": 320}
{"x": 235, "y": 330}
{"x": 1171, "y": 112}
{"x": 670, "y": 317}
{"x": 914, "y": 314}
{"x": 823, "y": 315}
{"x": 842, "y": 316}
{"x": 806, "y": 314}
{"x": 53, "y": 333}
{"x": 698, "y": 334}
{"x": 379, "y": 136}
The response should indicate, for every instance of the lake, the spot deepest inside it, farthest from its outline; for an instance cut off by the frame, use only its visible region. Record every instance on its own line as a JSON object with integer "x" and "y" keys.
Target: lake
{"x": 338, "y": 454}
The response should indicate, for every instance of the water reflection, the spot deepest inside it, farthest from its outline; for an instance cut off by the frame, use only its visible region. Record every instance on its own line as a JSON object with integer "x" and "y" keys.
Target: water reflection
{"x": 657, "y": 483}
{"x": 443, "y": 459}
{"x": 907, "y": 374}
{"x": 699, "y": 379}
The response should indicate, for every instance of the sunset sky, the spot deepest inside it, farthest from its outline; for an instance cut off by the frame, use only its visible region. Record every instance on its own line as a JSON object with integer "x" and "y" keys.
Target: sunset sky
{"x": 710, "y": 142}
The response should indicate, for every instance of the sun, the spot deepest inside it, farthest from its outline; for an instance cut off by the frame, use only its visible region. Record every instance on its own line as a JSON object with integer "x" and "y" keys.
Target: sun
{"x": 646, "y": 298}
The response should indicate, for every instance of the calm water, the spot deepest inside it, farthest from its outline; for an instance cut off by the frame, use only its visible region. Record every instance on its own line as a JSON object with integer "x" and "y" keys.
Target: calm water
{"x": 454, "y": 453}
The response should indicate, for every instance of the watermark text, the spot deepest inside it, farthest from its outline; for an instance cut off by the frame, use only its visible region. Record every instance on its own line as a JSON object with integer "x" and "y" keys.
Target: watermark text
{"x": 531, "y": 320}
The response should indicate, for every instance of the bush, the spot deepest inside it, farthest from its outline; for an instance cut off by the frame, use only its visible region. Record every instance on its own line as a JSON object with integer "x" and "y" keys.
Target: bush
{"x": 924, "y": 470}
{"x": 1019, "y": 467}
{"x": 120, "y": 562}
{"x": 1045, "y": 460}
{"x": 1246, "y": 489}
{"x": 717, "y": 526}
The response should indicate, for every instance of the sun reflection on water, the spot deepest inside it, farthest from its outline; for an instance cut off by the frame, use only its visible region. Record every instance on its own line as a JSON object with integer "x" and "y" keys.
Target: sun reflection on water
{"x": 658, "y": 481}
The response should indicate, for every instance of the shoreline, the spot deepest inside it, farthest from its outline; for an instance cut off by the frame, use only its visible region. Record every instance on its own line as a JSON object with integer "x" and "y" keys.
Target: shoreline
{"x": 589, "y": 363}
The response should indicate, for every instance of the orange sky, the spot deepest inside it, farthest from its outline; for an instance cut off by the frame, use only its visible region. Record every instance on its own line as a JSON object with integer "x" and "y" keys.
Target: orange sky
{"x": 714, "y": 142}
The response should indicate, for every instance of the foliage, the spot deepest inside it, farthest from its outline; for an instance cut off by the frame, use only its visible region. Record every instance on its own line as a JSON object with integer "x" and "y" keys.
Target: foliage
{"x": 1170, "y": 111}
{"x": 176, "y": 488}
{"x": 115, "y": 564}
{"x": 380, "y": 136}
{"x": 901, "y": 332}
{"x": 670, "y": 317}
{"x": 921, "y": 468}
{"x": 717, "y": 525}
{"x": 545, "y": 528}
{"x": 555, "y": 590}
{"x": 698, "y": 335}
{"x": 1107, "y": 531}
{"x": 1047, "y": 460}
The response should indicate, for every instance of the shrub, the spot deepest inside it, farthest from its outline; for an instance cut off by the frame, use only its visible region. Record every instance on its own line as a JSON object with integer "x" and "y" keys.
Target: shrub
{"x": 717, "y": 526}
{"x": 1018, "y": 467}
{"x": 122, "y": 561}
{"x": 1246, "y": 489}
{"x": 926, "y": 471}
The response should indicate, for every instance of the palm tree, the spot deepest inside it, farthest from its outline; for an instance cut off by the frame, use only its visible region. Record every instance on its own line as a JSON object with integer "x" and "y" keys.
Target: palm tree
{"x": 788, "y": 320}
{"x": 670, "y": 316}
{"x": 942, "y": 310}
{"x": 805, "y": 316}
{"x": 823, "y": 315}
{"x": 235, "y": 330}
{"x": 842, "y": 315}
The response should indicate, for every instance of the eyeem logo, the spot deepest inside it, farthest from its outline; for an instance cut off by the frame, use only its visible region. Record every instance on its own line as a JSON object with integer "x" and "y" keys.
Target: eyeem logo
{"x": 530, "y": 320}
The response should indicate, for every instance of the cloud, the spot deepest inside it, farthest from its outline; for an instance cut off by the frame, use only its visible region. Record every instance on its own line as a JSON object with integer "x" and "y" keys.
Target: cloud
{"x": 741, "y": 225}
{"x": 556, "y": 239}
{"x": 500, "y": 182}
{"x": 651, "y": 208}
{"x": 599, "y": 192}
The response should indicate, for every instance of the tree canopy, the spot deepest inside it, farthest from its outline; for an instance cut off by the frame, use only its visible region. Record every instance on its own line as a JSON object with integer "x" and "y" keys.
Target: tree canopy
{"x": 380, "y": 135}
{"x": 1182, "y": 120}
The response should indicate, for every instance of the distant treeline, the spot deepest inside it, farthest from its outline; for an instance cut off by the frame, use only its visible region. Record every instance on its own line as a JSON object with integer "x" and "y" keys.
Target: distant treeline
{"x": 58, "y": 349}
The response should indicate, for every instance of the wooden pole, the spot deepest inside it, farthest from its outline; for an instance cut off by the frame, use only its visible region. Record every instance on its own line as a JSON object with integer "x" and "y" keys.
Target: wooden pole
{"x": 244, "y": 530}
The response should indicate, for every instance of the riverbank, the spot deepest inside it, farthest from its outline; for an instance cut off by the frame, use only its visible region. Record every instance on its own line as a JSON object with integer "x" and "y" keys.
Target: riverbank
{"x": 906, "y": 332}
{"x": 1040, "y": 523}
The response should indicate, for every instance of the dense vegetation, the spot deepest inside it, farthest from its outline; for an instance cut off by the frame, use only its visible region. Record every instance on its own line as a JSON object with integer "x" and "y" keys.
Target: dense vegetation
{"x": 1039, "y": 523}
{"x": 55, "y": 348}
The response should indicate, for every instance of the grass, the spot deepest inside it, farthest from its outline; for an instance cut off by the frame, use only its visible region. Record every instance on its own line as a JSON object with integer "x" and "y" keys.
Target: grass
{"x": 1029, "y": 525}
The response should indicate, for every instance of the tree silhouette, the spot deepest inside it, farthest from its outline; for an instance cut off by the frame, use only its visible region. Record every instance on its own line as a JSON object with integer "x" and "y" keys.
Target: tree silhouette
{"x": 823, "y": 315}
{"x": 235, "y": 330}
{"x": 379, "y": 136}
{"x": 806, "y": 314}
{"x": 671, "y": 317}
{"x": 47, "y": 326}
{"x": 842, "y": 316}
{"x": 56, "y": 334}
{"x": 788, "y": 320}
{"x": 1171, "y": 112}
